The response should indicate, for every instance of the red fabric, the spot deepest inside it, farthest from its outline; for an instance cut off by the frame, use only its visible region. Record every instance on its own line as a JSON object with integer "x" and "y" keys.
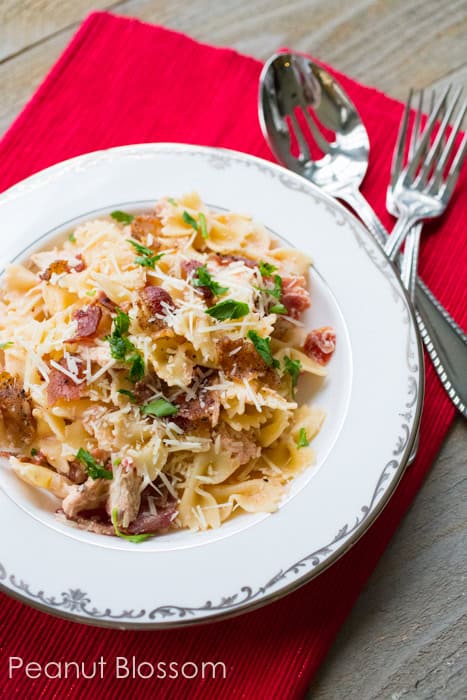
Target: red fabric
{"x": 111, "y": 87}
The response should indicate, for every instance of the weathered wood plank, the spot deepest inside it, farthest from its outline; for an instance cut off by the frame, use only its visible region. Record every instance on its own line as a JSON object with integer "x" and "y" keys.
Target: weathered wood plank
{"x": 30, "y": 21}
{"x": 388, "y": 44}
{"x": 406, "y": 637}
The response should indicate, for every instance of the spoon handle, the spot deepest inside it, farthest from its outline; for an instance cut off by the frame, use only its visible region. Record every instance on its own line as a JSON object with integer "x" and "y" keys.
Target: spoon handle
{"x": 445, "y": 341}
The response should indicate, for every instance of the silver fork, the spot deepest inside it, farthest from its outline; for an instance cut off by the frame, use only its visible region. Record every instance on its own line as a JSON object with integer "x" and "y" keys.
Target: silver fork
{"x": 422, "y": 189}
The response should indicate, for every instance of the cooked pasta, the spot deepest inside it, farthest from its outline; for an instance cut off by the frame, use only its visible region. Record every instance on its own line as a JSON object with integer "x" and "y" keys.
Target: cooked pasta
{"x": 148, "y": 369}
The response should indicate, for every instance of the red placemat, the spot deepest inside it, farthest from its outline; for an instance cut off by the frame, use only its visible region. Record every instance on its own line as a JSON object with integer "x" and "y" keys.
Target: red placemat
{"x": 111, "y": 88}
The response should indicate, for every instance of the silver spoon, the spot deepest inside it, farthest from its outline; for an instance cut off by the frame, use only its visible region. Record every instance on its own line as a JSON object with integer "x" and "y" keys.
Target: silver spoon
{"x": 292, "y": 84}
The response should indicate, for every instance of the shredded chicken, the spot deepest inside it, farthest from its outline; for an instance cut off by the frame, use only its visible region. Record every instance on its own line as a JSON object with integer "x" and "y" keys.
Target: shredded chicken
{"x": 125, "y": 493}
{"x": 88, "y": 496}
{"x": 15, "y": 410}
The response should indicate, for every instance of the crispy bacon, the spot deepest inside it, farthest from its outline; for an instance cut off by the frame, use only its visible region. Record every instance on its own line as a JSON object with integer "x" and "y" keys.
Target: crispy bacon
{"x": 147, "y": 225}
{"x": 58, "y": 267}
{"x": 193, "y": 413}
{"x": 226, "y": 259}
{"x": 238, "y": 358}
{"x": 15, "y": 409}
{"x": 61, "y": 387}
{"x": 146, "y": 522}
{"x": 295, "y": 295}
{"x": 154, "y": 301}
{"x": 189, "y": 267}
{"x": 88, "y": 320}
{"x": 104, "y": 301}
{"x": 320, "y": 344}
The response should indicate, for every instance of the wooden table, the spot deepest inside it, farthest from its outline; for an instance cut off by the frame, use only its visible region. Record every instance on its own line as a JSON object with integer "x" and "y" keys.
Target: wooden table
{"x": 406, "y": 635}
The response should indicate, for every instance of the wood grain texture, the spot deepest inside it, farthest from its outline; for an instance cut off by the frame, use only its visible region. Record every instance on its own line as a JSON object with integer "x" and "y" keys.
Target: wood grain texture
{"x": 404, "y": 639}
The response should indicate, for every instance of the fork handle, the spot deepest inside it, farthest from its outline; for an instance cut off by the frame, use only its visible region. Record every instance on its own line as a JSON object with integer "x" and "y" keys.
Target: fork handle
{"x": 445, "y": 341}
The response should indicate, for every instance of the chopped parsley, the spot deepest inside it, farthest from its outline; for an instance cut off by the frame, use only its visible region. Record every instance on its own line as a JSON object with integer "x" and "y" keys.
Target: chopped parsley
{"x": 121, "y": 348}
{"x": 159, "y": 408}
{"x": 278, "y": 309}
{"x": 4, "y": 346}
{"x": 94, "y": 470}
{"x": 302, "y": 439}
{"x": 229, "y": 308}
{"x": 275, "y": 291}
{"x": 266, "y": 269}
{"x": 91, "y": 293}
{"x": 146, "y": 257}
{"x": 188, "y": 219}
{"x": 263, "y": 348}
{"x": 119, "y": 533}
{"x": 293, "y": 368}
{"x": 72, "y": 238}
{"x": 34, "y": 452}
{"x": 122, "y": 217}
{"x": 202, "y": 225}
{"x": 128, "y": 393}
{"x": 202, "y": 278}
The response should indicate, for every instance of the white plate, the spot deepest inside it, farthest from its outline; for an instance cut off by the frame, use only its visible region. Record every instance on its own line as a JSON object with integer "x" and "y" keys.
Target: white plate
{"x": 372, "y": 396}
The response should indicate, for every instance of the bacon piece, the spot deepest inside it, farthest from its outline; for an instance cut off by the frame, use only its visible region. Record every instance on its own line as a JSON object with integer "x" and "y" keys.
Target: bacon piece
{"x": 226, "y": 259}
{"x": 88, "y": 496}
{"x": 104, "y": 301}
{"x": 37, "y": 458}
{"x": 154, "y": 301}
{"x": 76, "y": 472}
{"x": 125, "y": 494}
{"x": 243, "y": 362}
{"x": 241, "y": 446}
{"x": 61, "y": 387}
{"x": 193, "y": 413}
{"x": 15, "y": 409}
{"x": 147, "y": 225}
{"x": 88, "y": 320}
{"x": 189, "y": 267}
{"x": 147, "y": 522}
{"x": 295, "y": 296}
{"x": 320, "y": 344}
{"x": 58, "y": 267}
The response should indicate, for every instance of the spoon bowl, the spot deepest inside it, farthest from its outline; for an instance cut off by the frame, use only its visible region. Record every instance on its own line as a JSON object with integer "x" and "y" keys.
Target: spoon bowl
{"x": 295, "y": 95}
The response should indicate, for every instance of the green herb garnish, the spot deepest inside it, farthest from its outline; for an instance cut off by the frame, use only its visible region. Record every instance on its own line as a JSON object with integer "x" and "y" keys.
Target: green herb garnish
{"x": 121, "y": 348}
{"x": 228, "y": 309}
{"x": 172, "y": 201}
{"x": 293, "y": 368}
{"x": 146, "y": 257}
{"x": 188, "y": 219}
{"x": 94, "y": 470}
{"x": 263, "y": 348}
{"x": 128, "y": 393}
{"x": 137, "y": 368}
{"x": 266, "y": 269}
{"x": 34, "y": 452}
{"x": 91, "y": 293}
{"x": 122, "y": 217}
{"x": 159, "y": 408}
{"x": 302, "y": 439}
{"x": 278, "y": 309}
{"x": 72, "y": 238}
{"x": 202, "y": 278}
{"x": 119, "y": 533}
{"x": 4, "y": 346}
{"x": 202, "y": 225}
{"x": 275, "y": 291}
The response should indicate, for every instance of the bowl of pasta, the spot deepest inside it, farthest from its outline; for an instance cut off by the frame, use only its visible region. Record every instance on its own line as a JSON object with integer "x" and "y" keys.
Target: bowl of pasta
{"x": 206, "y": 365}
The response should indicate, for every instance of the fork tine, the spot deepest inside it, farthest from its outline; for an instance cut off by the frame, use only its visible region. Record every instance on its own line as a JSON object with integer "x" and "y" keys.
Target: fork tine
{"x": 438, "y": 142}
{"x": 443, "y": 161}
{"x": 398, "y": 158}
{"x": 455, "y": 168}
{"x": 425, "y": 140}
{"x": 416, "y": 134}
